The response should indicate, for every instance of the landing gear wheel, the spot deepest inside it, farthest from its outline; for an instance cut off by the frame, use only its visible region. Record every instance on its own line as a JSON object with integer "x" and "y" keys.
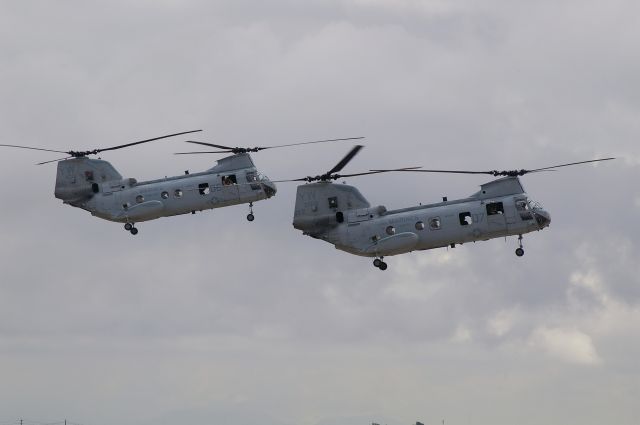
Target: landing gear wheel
{"x": 520, "y": 250}
{"x": 134, "y": 231}
{"x": 128, "y": 227}
{"x": 377, "y": 262}
{"x": 250, "y": 217}
{"x": 383, "y": 266}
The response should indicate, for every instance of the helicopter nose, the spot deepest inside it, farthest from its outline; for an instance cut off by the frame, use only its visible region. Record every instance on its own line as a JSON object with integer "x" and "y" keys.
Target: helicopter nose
{"x": 543, "y": 218}
{"x": 269, "y": 188}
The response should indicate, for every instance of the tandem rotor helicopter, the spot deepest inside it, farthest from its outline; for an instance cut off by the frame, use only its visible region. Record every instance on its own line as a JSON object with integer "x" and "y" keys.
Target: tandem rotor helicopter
{"x": 94, "y": 185}
{"x": 341, "y": 216}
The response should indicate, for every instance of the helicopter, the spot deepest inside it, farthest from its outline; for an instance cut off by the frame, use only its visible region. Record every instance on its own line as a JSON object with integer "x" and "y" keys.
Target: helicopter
{"x": 94, "y": 185}
{"x": 340, "y": 215}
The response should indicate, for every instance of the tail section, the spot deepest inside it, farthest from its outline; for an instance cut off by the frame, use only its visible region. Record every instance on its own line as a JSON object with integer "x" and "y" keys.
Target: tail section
{"x": 78, "y": 179}
{"x": 321, "y": 206}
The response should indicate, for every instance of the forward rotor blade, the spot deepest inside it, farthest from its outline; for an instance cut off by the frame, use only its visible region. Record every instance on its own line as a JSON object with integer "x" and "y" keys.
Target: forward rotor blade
{"x": 209, "y": 144}
{"x": 309, "y": 143}
{"x": 144, "y": 141}
{"x": 348, "y": 157}
{"x": 32, "y": 148}
{"x": 571, "y": 163}
{"x": 197, "y": 152}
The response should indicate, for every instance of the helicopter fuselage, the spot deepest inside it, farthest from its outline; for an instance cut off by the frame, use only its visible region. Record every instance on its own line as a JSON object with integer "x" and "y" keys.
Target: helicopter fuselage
{"x": 500, "y": 209}
{"x": 95, "y": 186}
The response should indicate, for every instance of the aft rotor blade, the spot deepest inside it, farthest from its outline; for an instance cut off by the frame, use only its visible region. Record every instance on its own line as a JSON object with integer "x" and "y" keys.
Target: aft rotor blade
{"x": 32, "y": 148}
{"x": 438, "y": 171}
{"x": 54, "y": 160}
{"x": 571, "y": 163}
{"x": 348, "y": 157}
{"x": 144, "y": 141}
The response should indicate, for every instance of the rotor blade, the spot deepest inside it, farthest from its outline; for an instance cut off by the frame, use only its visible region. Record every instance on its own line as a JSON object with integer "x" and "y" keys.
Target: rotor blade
{"x": 54, "y": 160}
{"x": 35, "y": 149}
{"x": 197, "y": 152}
{"x": 348, "y": 157}
{"x": 439, "y": 171}
{"x": 144, "y": 141}
{"x": 209, "y": 144}
{"x": 308, "y": 143}
{"x": 571, "y": 163}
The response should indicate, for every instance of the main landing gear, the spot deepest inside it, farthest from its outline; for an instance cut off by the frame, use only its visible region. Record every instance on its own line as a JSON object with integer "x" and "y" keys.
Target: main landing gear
{"x": 250, "y": 216}
{"x": 129, "y": 227}
{"x": 519, "y": 250}
{"x": 380, "y": 264}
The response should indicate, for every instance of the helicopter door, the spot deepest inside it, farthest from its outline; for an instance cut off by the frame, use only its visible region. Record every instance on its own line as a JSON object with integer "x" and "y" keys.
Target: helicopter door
{"x": 496, "y": 217}
{"x": 229, "y": 189}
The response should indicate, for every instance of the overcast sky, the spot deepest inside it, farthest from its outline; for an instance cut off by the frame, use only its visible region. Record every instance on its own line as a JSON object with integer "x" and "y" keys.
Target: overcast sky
{"x": 209, "y": 319}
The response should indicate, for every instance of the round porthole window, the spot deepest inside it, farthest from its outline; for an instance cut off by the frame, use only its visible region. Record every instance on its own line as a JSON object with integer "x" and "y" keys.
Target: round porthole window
{"x": 139, "y": 199}
{"x": 420, "y": 225}
{"x": 390, "y": 230}
{"x": 178, "y": 193}
{"x": 164, "y": 195}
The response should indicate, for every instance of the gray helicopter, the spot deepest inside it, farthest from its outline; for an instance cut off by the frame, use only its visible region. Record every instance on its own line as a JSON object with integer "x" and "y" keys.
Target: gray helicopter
{"x": 96, "y": 186}
{"x": 340, "y": 215}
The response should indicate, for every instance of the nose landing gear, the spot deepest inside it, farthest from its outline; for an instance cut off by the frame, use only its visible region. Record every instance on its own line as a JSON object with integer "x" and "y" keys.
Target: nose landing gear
{"x": 129, "y": 227}
{"x": 250, "y": 216}
{"x": 519, "y": 250}
{"x": 380, "y": 264}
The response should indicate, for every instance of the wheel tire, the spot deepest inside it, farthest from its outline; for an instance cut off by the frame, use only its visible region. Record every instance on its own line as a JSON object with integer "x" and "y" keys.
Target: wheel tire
{"x": 519, "y": 252}
{"x": 134, "y": 231}
{"x": 377, "y": 262}
{"x": 128, "y": 227}
{"x": 250, "y": 217}
{"x": 383, "y": 266}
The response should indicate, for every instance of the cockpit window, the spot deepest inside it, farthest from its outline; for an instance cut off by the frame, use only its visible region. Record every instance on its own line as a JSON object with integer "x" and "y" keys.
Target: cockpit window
{"x": 333, "y": 202}
{"x": 252, "y": 176}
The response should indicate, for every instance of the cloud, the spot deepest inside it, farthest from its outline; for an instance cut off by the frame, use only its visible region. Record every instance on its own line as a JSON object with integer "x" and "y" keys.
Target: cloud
{"x": 571, "y": 346}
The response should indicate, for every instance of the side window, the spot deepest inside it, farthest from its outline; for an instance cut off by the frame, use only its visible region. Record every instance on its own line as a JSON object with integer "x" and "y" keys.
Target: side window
{"x": 139, "y": 199}
{"x": 419, "y": 225}
{"x": 494, "y": 208}
{"x": 177, "y": 193}
{"x": 252, "y": 176}
{"x": 204, "y": 189}
{"x": 434, "y": 223}
{"x": 465, "y": 218}
{"x": 164, "y": 195}
{"x": 229, "y": 180}
{"x": 333, "y": 202}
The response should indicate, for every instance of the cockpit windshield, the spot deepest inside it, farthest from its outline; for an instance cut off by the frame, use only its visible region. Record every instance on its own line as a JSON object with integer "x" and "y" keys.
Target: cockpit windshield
{"x": 534, "y": 205}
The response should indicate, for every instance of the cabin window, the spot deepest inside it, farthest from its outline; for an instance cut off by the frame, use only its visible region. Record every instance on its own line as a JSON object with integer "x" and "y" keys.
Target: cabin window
{"x": 420, "y": 225}
{"x": 177, "y": 193}
{"x": 164, "y": 195}
{"x": 229, "y": 180}
{"x": 494, "y": 208}
{"x": 204, "y": 189}
{"x": 139, "y": 199}
{"x": 390, "y": 230}
{"x": 434, "y": 224}
{"x": 333, "y": 202}
{"x": 465, "y": 218}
